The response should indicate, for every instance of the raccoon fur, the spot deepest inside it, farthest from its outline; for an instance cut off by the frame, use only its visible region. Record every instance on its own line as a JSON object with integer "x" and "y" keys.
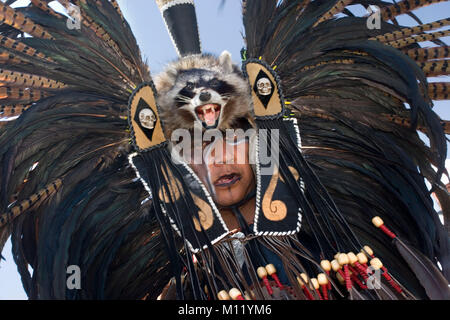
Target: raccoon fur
{"x": 206, "y": 90}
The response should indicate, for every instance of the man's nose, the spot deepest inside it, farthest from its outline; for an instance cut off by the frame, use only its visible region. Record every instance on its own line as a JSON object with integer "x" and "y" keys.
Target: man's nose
{"x": 205, "y": 96}
{"x": 225, "y": 156}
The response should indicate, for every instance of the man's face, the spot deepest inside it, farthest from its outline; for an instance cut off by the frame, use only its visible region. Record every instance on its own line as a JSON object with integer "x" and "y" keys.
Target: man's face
{"x": 226, "y": 171}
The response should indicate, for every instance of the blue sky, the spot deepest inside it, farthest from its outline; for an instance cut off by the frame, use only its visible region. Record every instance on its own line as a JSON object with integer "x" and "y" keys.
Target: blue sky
{"x": 220, "y": 29}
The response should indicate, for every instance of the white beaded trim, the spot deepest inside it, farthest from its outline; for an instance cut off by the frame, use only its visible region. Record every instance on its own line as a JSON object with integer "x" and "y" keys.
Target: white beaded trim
{"x": 130, "y": 161}
{"x": 302, "y": 183}
{"x": 169, "y": 5}
{"x": 210, "y": 200}
{"x": 174, "y": 3}
{"x": 258, "y": 188}
{"x": 299, "y": 141}
{"x": 173, "y": 224}
{"x": 147, "y": 188}
{"x": 258, "y": 185}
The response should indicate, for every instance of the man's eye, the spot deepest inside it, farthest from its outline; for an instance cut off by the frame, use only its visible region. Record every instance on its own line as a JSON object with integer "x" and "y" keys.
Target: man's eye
{"x": 206, "y": 143}
{"x": 231, "y": 138}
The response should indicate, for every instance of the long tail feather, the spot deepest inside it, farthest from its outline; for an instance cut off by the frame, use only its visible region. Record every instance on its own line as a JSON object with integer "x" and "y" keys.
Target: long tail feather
{"x": 43, "y": 5}
{"x": 430, "y": 277}
{"x": 8, "y": 94}
{"x": 435, "y": 68}
{"x": 28, "y": 80}
{"x": 419, "y": 38}
{"x": 425, "y": 54}
{"x": 12, "y": 111}
{"x": 7, "y": 58}
{"x": 406, "y": 122}
{"x": 405, "y": 32}
{"x": 390, "y": 12}
{"x": 41, "y": 195}
{"x": 117, "y": 7}
{"x": 439, "y": 90}
{"x": 17, "y": 20}
{"x": 20, "y": 47}
{"x": 337, "y": 8}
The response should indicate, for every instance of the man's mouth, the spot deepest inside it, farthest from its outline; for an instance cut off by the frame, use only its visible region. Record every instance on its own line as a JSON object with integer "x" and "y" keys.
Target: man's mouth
{"x": 208, "y": 114}
{"x": 227, "y": 180}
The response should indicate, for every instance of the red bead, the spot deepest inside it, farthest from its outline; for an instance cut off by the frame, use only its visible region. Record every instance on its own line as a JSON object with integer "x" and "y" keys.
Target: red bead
{"x": 361, "y": 270}
{"x": 387, "y": 232}
{"x": 267, "y": 284}
{"x": 325, "y": 292}
{"x": 277, "y": 281}
{"x": 392, "y": 283}
{"x": 307, "y": 293}
{"x": 318, "y": 293}
{"x": 329, "y": 282}
{"x": 348, "y": 282}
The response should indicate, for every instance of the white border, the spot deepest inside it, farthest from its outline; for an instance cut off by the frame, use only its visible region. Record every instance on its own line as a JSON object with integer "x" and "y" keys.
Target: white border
{"x": 258, "y": 188}
{"x": 174, "y": 3}
{"x": 173, "y": 224}
{"x": 169, "y": 5}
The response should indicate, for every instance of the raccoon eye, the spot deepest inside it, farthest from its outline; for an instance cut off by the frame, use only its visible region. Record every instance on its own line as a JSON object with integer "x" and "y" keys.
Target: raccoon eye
{"x": 214, "y": 82}
{"x": 189, "y": 86}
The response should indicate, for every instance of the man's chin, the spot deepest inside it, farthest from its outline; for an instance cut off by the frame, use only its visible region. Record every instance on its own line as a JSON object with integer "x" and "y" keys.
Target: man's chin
{"x": 229, "y": 196}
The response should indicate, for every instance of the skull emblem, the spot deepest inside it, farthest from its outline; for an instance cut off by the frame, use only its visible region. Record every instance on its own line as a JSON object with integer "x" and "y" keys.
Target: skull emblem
{"x": 264, "y": 86}
{"x": 147, "y": 118}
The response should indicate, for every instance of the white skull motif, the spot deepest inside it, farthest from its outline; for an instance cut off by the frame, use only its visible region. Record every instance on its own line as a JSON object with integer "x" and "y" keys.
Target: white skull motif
{"x": 264, "y": 86}
{"x": 147, "y": 118}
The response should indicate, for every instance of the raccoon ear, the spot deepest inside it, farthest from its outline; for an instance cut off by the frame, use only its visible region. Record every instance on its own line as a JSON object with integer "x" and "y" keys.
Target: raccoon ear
{"x": 225, "y": 61}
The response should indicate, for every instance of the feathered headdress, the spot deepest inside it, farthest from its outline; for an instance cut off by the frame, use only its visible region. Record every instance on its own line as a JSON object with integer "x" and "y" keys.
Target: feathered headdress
{"x": 88, "y": 177}
{"x": 291, "y": 195}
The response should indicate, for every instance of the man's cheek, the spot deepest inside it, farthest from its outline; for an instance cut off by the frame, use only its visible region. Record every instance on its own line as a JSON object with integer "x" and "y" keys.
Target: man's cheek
{"x": 241, "y": 154}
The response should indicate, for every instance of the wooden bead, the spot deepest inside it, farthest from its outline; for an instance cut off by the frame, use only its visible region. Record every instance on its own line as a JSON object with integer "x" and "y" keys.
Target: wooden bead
{"x": 326, "y": 265}
{"x": 235, "y": 293}
{"x": 377, "y": 222}
{"x": 270, "y": 268}
{"x": 368, "y": 250}
{"x": 337, "y": 255}
{"x": 315, "y": 283}
{"x": 376, "y": 263}
{"x": 262, "y": 273}
{"x": 223, "y": 295}
{"x": 343, "y": 259}
{"x": 362, "y": 258}
{"x": 335, "y": 265}
{"x": 352, "y": 258}
{"x": 247, "y": 296}
{"x": 303, "y": 279}
{"x": 322, "y": 278}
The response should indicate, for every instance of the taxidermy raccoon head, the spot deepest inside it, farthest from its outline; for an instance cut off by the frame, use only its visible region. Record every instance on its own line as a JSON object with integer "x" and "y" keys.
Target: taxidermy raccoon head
{"x": 206, "y": 90}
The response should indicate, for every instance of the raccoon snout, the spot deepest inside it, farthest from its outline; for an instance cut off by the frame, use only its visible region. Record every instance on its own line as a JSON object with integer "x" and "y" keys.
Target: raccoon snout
{"x": 205, "y": 96}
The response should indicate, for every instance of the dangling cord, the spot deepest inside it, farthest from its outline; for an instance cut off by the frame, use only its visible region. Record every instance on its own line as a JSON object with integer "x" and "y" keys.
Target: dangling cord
{"x": 237, "y": 213}
{"x": 215, "y": 272}
{"x": 166, "y": 229}
{"x": 189, "y": 266}
{"x": 253, "y": 248}
{"x": 294, "y": 156}
{"x": 325, "y": 200}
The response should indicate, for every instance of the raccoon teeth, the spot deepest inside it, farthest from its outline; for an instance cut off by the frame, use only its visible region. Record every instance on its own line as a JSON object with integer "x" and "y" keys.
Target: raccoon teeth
{"x": 208, "y": 113}
{"x": 208, "y": 108}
